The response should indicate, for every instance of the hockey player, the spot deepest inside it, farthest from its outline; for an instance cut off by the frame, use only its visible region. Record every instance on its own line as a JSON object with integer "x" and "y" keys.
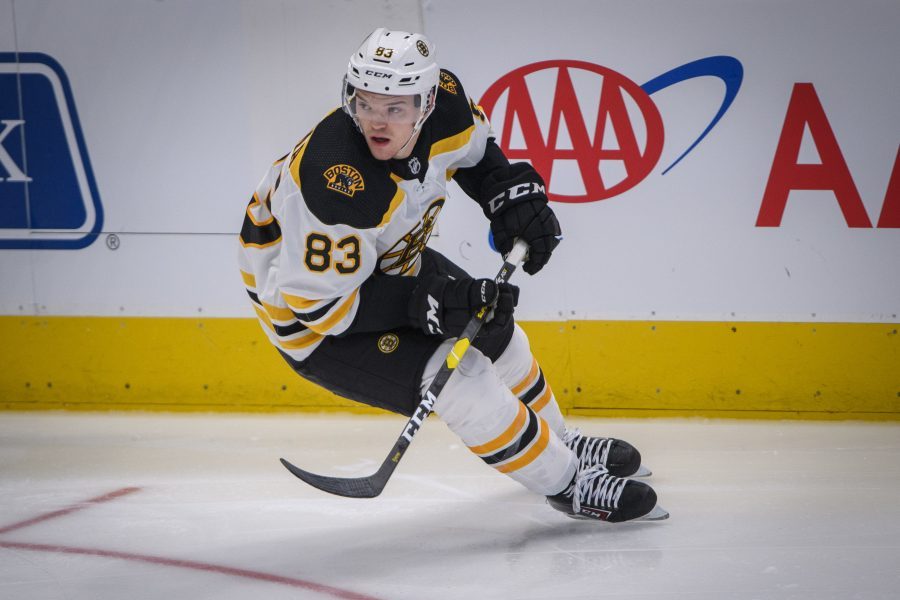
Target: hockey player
{"x": 334, "y": 257}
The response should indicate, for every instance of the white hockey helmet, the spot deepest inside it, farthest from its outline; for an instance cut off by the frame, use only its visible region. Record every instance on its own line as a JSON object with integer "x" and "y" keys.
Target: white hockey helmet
{"x": 394, "y": 63}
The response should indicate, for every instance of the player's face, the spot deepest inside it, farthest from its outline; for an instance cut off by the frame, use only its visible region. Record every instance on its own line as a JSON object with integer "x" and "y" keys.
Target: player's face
{"x": 387, "y": 122}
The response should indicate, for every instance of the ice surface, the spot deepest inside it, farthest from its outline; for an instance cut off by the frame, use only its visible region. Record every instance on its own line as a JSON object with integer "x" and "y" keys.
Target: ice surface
{"x": 198, "y": 506}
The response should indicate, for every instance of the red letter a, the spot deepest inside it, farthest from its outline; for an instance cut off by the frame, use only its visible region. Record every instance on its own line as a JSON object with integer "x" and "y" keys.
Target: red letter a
{"x": 890, "y": 211}
{"x": 832, "y": 174}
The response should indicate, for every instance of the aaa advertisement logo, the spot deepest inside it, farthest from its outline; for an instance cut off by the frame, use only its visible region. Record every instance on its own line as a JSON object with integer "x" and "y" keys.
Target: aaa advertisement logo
{"x": 614, "y": 141}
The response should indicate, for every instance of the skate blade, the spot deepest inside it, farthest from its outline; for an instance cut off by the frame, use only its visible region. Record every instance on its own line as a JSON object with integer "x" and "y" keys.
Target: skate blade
{"x": 643, "y": 472}
{"x": 657, "y": 514}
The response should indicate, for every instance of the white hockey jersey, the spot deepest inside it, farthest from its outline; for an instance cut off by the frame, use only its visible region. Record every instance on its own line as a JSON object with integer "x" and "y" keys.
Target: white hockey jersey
{"x": 328, "y": 215}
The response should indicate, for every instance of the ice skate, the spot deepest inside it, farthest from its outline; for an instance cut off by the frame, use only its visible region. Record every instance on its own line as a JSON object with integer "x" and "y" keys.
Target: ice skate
{"x": 595, "y": 494}
{"x": 619, "y": 457}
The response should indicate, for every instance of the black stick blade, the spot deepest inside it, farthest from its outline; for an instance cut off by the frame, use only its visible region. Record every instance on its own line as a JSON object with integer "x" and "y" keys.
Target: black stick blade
{"x": 360, "y": 487}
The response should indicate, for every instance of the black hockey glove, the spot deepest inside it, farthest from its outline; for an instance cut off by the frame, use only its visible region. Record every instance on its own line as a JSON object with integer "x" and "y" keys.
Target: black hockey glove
{"x": 443, "y": 306}
{"x": 513, "y": 199}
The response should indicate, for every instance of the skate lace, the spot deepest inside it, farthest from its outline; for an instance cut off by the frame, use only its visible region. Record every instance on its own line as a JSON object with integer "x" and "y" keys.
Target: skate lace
{"x": 594, "y": 451}
{"x": 596, "y": 487}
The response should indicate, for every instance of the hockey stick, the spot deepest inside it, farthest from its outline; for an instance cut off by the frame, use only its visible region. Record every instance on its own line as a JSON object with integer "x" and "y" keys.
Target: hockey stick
{"x": 371, "y": 486}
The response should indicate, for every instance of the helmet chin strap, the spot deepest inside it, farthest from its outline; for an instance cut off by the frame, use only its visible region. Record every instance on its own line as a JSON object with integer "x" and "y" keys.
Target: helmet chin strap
{"x": 418, "y": 124}
{"x": 411, "y": 136}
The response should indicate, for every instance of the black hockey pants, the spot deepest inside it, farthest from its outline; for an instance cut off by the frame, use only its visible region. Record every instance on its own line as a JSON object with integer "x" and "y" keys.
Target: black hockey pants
{"x": 384, "y": 369}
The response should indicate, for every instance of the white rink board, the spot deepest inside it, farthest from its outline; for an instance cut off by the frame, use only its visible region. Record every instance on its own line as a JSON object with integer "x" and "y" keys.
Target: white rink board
{"x": 183, "y": 105}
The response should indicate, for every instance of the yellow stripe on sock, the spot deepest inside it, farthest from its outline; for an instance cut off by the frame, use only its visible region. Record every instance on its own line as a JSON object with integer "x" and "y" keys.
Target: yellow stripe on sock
{"x": 526, "y": 459}
{"x": 541, "y": 402}
{"x": 529, "y": 379}
{"x": 504, "y": 438}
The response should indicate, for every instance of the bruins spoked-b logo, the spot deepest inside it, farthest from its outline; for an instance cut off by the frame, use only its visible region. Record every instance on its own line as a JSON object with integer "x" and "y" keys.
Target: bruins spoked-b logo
{"x": 402, "y": 256}
{"x": 344, "y": 179}
{"x": 388, "y": 343}
{"x": 422, "y": 48}
{"x": 448, "y": 83}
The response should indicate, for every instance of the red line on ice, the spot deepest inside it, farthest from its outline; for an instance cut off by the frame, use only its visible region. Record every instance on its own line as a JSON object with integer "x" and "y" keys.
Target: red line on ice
{"x": 161, "y": 560}
{"x": 190, "y": 564}
{"x": 71, "y": 509}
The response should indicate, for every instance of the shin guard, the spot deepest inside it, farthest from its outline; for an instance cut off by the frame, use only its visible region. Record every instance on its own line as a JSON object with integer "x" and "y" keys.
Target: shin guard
{"x": 506, "y": 434}
{"x": 520, "y": 371}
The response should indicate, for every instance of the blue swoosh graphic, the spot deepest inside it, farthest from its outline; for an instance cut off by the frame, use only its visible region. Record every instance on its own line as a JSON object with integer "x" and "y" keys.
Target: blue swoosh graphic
{"x": 727, "y": 68}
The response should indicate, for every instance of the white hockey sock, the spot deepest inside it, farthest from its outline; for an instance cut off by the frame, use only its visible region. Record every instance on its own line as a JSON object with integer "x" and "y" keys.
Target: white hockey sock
{"x": 520, "y": 371}
{"x": 509, "y": 436}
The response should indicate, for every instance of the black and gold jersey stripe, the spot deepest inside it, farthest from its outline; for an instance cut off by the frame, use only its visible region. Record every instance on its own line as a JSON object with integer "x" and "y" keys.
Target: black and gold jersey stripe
{"x": 260, "y": 232}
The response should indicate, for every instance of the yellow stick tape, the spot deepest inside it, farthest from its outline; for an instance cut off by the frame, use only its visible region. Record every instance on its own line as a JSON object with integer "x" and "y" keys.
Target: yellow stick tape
{"x": 602, "y": 368}
{"x": 457, "y": 353}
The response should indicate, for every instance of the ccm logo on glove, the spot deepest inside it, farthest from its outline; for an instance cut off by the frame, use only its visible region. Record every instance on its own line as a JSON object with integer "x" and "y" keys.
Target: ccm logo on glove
{"x": 432, "y": 323}
{"x": 513, "y": 193}
{"x": 443, "y": 306}
{"x": 514, "y": 200}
